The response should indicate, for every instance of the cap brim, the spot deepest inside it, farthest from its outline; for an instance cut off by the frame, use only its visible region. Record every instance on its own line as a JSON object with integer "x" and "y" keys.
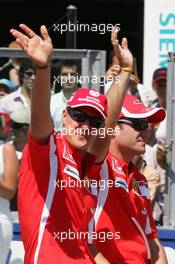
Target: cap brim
{"x": 156, "y": 115}
{"x": 92, "y": 106}
{"x": 21, "y": 115}
{"x": 8, "y": 85}
{"x": 159, "y": 78}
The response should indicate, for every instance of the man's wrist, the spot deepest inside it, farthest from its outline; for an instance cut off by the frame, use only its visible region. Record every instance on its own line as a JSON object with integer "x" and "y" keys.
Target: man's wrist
{"x": 43, "y": 66}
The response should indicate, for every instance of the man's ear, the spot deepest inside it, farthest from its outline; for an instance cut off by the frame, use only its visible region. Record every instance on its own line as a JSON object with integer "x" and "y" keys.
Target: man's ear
{"x": 64, "y": 114}
{"x": 153, "y": 86}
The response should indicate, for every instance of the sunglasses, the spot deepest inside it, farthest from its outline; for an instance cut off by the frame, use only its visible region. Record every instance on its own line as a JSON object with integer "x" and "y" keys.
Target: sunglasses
{"x": 139, "y": 125}
{"x": 80, "y": 116}
{"x": 29, "y": 74}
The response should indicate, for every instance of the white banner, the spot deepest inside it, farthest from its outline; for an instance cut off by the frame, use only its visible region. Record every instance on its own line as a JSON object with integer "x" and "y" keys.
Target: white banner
{"x": 159, "y": 36}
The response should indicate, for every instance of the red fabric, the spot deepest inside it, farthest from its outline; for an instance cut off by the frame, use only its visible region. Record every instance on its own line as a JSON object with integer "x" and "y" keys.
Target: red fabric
{"x": 69, "y": 212}
{"x": 91, "y": 98}
{"x": 125, "y": 199}
{"x": 134, "y": 108}
{"x": 5, "y": 120}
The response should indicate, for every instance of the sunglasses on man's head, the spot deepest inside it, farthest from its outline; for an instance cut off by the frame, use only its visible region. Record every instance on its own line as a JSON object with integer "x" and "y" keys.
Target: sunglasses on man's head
{"x": 137, "y": 124}
{"x": 80, "y": 116}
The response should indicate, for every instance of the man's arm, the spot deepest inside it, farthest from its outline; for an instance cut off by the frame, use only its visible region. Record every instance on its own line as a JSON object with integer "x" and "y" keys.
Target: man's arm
{"x": 115, "y": 96}
{"x": 157, "y": 251}
{"x": 39, "y": 50}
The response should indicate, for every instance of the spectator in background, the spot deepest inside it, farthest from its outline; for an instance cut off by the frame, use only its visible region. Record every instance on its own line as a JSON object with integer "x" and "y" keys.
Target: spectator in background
{"x": 135, "y": 87}
{"x": 158, "y": 149}
{"x": 151, "y": 175}
{"x": 16, "y": 62}
{"x": 6, "y": 87}
{"x": 20, "y": 120}
{"x": 22, "y": 96}
{"x": 68, "y": 82}
{"x": 8, "y": 185}
{"x": 159, "y": 84}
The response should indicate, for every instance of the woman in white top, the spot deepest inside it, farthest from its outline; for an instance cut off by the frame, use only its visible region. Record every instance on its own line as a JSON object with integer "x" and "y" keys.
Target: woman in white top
{"x": 8, "y": 185}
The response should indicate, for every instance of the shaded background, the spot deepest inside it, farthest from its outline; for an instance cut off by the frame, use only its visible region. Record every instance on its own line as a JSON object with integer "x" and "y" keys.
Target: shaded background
{"x": 128, "y": 13}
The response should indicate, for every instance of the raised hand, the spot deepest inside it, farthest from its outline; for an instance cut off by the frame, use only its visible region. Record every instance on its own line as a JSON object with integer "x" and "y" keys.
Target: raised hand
{"x": 122, "y": 55}
{"x": 161, "y": 154}
{"x": 38, "y": 48}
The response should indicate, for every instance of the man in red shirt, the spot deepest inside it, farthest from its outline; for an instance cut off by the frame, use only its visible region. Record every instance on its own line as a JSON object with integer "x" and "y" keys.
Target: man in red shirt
{"x": 123, "y": 211}
{"x": 55, "y": 204}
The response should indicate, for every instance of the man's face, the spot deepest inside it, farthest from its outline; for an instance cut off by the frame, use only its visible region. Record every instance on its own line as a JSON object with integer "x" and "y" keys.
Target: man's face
{"x": 79, "y": 133}
{"x": 160, "y": 88}
{"x": 28, "y": 80}
{"x": 130, "y": 139}
{"x": 68, "y": 76}
{"x": 19, "y": 135}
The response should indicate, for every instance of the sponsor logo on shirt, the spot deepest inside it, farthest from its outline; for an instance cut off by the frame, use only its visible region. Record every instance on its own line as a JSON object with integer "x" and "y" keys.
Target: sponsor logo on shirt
{"x": 116, "y": 167}
{"x": 71, "y": 171}
{"x": 143, "y": 188}
{"x": 120, "y": 182}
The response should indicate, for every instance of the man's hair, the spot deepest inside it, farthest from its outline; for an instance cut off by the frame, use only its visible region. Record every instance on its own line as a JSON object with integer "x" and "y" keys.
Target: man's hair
{"x": 26, "y": 64}
{"x": 57, "y": 66}
{"x": 67, "y": 63}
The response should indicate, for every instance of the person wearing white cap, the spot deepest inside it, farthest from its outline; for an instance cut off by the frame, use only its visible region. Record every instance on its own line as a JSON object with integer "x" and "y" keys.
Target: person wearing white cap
{"x": 67, "y": 81}
{"x": 123, "y": 210}
{"x": 55, "y": 205}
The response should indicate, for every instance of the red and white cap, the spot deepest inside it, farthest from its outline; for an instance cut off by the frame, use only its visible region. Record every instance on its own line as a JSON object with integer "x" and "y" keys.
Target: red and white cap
{"x": 134, "y": 108}
{"x": 90, "y": 98}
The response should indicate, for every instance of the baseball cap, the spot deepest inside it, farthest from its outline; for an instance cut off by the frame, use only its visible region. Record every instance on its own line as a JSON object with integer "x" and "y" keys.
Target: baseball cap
{"x": 90, "y": 98}
{"x": 159, "y": 74}
{"x": 21, "y": 115}
{"x": 134, "y": 108}
{"x": 8, "y": 83}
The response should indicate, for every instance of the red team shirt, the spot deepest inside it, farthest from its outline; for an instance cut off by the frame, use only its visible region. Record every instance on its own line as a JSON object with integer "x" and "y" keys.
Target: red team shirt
{"x": 124, "y": 213}
{"x": 51, "y": 214}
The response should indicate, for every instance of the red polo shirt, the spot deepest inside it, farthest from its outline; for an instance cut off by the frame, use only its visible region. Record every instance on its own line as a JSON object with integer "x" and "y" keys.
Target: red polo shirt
{"x": 54, "y": 206}
{"x": 124, "y": 214}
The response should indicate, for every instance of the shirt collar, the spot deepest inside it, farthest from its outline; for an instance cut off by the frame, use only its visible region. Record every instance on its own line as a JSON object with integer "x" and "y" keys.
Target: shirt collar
{"x": 129, "y": 169}
{"x": 64, "y": 98}
{"x": 86, "y": 162}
